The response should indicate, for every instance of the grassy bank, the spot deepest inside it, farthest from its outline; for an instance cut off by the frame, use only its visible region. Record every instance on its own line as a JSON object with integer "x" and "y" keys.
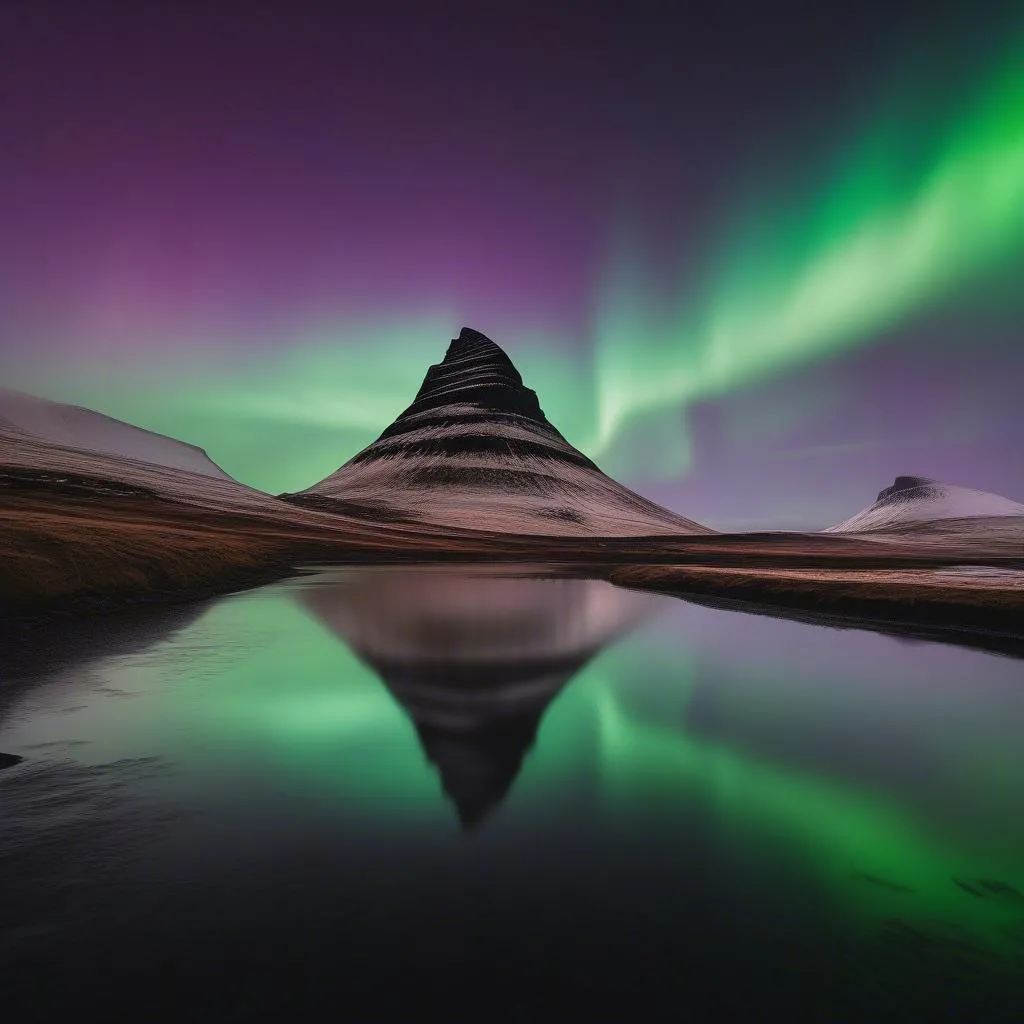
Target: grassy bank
{"x": 922, "y": 595}
{"x": 72, "y": 558}
{"x": 86, "y": 545}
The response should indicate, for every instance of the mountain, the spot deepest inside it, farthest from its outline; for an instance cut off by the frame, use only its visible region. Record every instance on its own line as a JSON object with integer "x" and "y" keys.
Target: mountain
{"x": 475, "y": 451}
{"x": 474, "y": 659}
{"x": 96, "y": 513}
{"x": 71, "y": 426}
{"x": 72, "y": 452}
{"x": 916, "y": 499}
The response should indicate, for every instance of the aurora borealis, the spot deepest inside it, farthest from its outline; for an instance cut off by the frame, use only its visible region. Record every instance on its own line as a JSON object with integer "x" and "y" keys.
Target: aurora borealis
{"x": 847, "y": 265}
{"x": 755, "y": 275}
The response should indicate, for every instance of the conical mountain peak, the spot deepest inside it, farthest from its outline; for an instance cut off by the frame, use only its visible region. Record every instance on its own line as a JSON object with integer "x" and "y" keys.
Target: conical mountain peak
{"x": 471, "y": 342}
{"x": 475, "y": 371}
{"x": 475, "y": 451}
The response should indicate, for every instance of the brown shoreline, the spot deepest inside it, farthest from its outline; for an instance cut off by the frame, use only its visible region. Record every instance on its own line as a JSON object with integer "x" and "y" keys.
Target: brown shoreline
{"x": 918, "y": 602}
{"x": 72, "y": 550}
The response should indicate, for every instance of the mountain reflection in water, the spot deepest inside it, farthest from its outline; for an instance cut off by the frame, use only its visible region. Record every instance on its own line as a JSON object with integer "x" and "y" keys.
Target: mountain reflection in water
{"x": 254, "y": 797}
{"x": 475, "y": 659}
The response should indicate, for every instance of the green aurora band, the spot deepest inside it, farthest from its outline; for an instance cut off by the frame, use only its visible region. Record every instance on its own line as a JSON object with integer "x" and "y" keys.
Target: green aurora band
{"x": 895, "y": 232}
{"x": 910, "y": 220}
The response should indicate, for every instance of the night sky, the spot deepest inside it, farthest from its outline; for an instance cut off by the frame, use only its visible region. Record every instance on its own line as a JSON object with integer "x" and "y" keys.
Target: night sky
{"x": 757, "y": 259}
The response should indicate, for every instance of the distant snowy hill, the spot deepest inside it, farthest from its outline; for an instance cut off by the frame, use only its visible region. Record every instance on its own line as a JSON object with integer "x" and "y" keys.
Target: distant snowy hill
{"x": 53, "y": 453}
{"x": 475, "y": 451}
{"x": 916, "y": 499}
{"x": 71, "y": 426}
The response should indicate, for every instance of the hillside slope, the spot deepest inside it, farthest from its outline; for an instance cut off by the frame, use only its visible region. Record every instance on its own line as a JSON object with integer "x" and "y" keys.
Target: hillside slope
{"x": 475, "y": 450}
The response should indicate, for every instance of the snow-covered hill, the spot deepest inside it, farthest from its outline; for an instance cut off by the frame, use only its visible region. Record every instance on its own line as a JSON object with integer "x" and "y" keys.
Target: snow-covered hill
{"x": 916, "y": 499}
{"x": 475, "y": 451}
{"x": 71, "y": 426}
{"x": 77, "y": 448}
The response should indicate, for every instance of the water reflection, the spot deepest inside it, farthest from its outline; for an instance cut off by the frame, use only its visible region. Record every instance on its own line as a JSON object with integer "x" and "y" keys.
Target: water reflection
{"x": 474, "y": 659}
{"x": 997, "y": 632}
{"x": 31, "y": 652}
{"x": 811, "y": 807}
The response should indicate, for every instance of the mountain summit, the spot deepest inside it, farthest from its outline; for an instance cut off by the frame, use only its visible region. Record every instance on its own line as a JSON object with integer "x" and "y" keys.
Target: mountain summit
{"x": 475, "y": 451}
{"x": 477, "y": 371}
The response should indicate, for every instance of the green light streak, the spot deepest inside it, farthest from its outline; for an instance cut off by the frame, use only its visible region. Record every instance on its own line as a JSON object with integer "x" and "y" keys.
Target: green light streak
{"x": 329, "y": 726}
{"x": 835, "y": 273}
{"x": 284, "y": 419}
{"x": 836, "y": 832}
{"x": 911, "y": 218}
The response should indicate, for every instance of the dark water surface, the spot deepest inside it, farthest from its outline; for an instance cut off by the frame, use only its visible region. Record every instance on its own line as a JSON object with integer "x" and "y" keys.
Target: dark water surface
{"x": 374, "y": 792}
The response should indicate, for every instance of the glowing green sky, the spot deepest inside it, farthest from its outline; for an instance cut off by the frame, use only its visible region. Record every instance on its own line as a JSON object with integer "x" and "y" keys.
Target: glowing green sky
{"x": 889, "y": 235}
{"x": 925, "y": 201}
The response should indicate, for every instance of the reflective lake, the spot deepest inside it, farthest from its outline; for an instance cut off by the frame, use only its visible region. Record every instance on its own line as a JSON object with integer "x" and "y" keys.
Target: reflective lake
{"x": 488, "y": 790}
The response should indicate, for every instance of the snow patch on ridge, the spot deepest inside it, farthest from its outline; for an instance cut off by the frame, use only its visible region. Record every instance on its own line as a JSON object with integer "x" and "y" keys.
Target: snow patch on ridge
{"x": 917, "y": 499}
{"x": 72, "y": 426}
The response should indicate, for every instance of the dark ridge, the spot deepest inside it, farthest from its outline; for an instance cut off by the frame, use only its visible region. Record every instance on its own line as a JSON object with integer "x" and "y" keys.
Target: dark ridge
{"x": 340, "y": 506}
{"x": 428, "y": 685}
{"x": 474, "y": 444}
{"x": 996, "y": 631}
{"x": 475, "y": 371}
{"x": 406, "y": 425}
{"x": 478, "y": 765}
{"x": 567, "y": 515}
{"x": 470, "y": 339}
{"x": 905, "y": 483}
{"x": 9, "y": 760}
{"x": 54, "y": 482}
{"x": 514, "y": 481}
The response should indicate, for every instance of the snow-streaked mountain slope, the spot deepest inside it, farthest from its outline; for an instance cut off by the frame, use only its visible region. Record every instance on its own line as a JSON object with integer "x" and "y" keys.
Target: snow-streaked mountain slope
{"x": 83, "y": 451}
{"x": 916, "y": 499}
{"x": 475, "y": 451}
{"x": 71, "y": 426}
{"x": 57, "y": 473}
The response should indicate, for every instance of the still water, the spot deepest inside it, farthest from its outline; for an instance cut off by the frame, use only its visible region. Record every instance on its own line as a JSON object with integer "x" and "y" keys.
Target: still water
{"x": 374, "y": 790}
